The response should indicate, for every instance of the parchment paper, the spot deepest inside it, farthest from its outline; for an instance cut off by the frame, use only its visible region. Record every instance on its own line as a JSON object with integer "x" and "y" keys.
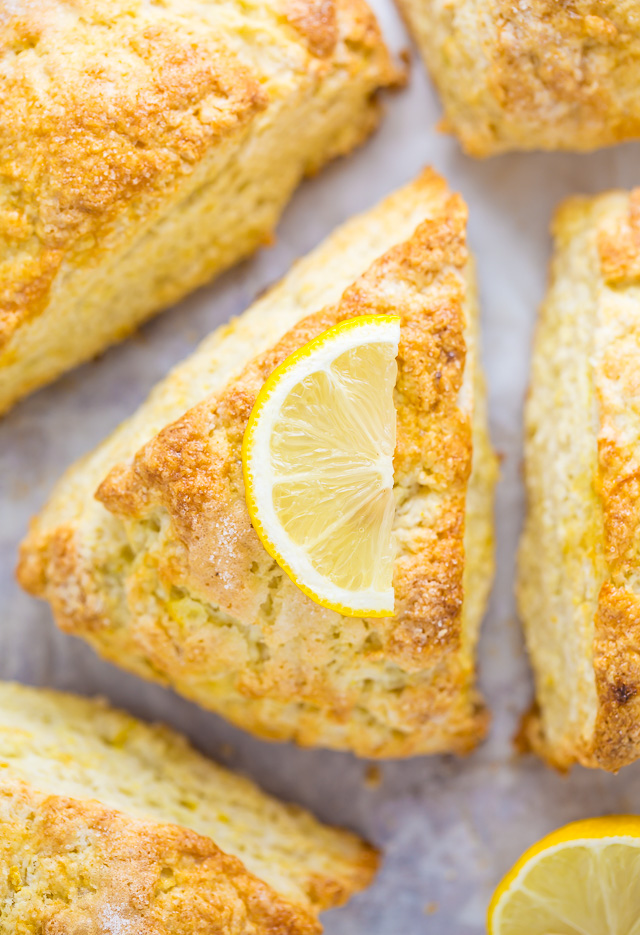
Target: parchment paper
{"x": 449, "y": 828}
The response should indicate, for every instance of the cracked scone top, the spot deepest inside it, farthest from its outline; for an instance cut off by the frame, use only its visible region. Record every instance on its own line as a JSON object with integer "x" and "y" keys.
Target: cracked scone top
{"x": 578, "y": 571}
{"x": 145, "y": 146}
{"x": 164, "y": 574}
{"x": 537, "y": 74}
{"x": 111, "y": 825}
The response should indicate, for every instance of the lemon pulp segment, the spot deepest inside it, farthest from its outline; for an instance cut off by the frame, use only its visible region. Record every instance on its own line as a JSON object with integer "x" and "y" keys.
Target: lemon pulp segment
{"x": 582, "y": 880}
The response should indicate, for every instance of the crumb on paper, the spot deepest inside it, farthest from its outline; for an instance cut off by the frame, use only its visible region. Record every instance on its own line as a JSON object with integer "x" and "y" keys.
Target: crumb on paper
{"x": 430, "y": 909}
{"x": 139, "y": 336}
{"x": 372, "y": 777}
{"x": 402, "y": 72}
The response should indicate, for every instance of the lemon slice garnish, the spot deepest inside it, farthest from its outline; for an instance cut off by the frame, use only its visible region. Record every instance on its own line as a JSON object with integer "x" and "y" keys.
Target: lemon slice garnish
{"x": 318, "y": 465}
{"x": 581, "y": 880}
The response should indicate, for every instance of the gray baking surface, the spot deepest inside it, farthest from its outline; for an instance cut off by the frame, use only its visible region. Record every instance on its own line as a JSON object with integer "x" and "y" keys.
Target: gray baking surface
{"x": 449, "y": 828}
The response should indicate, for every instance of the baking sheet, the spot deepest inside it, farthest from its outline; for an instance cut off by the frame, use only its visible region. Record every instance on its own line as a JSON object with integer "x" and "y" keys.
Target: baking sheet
{"x": 449, "y": 828}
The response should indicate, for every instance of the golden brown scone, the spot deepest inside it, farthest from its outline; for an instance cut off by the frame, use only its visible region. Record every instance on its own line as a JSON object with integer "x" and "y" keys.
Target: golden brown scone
{"x": 537, "y": 74}
{"x": 579, "y": 559}
{"x": 163, "y": 573}
{"x": 144, "y": 147}
{"x": 109, "y": 825}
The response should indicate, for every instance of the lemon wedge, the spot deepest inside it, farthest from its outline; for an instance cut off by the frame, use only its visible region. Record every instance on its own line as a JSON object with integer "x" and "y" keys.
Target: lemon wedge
{"x": 317, "y": 457}
{"x": 581, "y": 880}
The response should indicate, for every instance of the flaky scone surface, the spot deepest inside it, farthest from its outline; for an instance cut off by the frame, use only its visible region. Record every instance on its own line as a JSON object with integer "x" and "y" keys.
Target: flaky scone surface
{"x": 579, "y": 563}
{"x": 108, "y": 824}
{"x": 165, "y": 574}
{"x": 537, "y": 74}
{"x": 146, "y": 146}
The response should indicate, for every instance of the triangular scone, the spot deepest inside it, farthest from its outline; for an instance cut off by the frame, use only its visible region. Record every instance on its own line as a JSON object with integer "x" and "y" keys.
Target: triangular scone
{"x": 542, "y": 74}
{"x": 146, "y": 146}
{"x": 578, "y": 586}
{"x": 164, "y": 574}
{"x": 109, "y": 825}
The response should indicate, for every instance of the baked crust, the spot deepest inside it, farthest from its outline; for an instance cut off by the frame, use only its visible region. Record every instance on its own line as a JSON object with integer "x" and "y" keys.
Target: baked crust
{"x": 116, "y": 113}
{"x": 152, "y": 878}
{"x": 70, "y": 862}
{"x": 533, "y": 75}
{"x": 598, "y": 247}
{"x": 198, "y": 602}
{"x": 86, "y": 161}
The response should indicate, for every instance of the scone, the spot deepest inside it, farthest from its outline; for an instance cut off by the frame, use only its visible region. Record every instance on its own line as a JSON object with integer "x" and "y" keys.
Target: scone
{"x": 579, "y": 560}
{"x": 163, "y": 573}
{"x": 108, "y": 825}
{"x": 144, "y": 147}
{"x": 539, "y": 74}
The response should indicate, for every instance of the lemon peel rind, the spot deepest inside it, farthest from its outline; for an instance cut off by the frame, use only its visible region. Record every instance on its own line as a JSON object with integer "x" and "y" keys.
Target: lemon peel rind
{"x": 278, "y": 385}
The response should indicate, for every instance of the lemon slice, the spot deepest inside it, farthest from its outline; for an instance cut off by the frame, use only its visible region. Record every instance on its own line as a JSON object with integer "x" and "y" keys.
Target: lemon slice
{"x": 318, "y": 465}
{"x": 581, "y": 880}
